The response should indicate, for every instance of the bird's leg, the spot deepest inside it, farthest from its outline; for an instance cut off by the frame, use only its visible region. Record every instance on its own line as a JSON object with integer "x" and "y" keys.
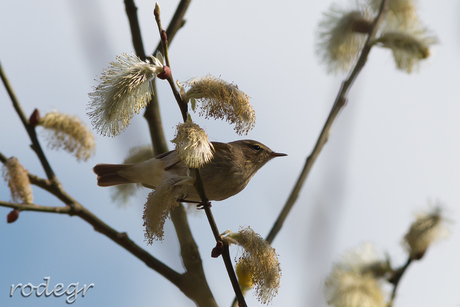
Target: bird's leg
{"x": 206, "y": 205}
{"x": 199, "y": 205}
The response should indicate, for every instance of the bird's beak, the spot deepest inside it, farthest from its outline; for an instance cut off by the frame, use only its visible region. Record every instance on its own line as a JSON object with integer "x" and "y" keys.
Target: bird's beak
{"x": 277, "y": 154}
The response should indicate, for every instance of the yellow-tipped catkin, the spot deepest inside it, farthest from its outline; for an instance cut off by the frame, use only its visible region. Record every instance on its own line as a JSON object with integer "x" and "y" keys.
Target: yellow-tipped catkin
{"x": 18, "y": 181}
{"x": 339, "y": 41}
{"x": 222, "y": 100}
{"x": 426, "y": 229}
{"x": 122, "y": 193}
{"x": 157, "y": 209}
{"x": 125, "y": 88}
{"x": 260, "y": 261}
{"x": 354, "y": 281}
{"x": 244, "y": 276}
{"x": 69, "y": 133}
{"x": 192, "y": 145}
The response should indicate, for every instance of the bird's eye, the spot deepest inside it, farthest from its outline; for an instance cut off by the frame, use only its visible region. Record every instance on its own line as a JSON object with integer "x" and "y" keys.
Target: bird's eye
{"x": 256, "y": 147}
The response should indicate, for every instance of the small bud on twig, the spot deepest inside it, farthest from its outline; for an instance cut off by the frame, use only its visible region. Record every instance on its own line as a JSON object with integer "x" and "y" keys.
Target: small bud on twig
{"x": 156, "y": 11}
{"x": 164, "y": 37}
{"x": 165, "y": 74}
{"x": 12, "y": 216}
{"x": 217, "y": 250}
{"x": 34, "y": 118}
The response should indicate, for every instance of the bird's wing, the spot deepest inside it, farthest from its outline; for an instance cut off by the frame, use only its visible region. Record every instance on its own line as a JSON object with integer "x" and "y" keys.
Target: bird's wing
{"x": 169, "y": 159}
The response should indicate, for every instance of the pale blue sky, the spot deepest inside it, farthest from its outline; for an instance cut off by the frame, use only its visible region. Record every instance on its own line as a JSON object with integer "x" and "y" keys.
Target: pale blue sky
{"x": 394, "y": 148}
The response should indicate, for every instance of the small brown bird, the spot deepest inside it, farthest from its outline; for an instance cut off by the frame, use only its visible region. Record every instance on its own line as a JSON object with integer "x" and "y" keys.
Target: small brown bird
{"x": 227, "y": 174}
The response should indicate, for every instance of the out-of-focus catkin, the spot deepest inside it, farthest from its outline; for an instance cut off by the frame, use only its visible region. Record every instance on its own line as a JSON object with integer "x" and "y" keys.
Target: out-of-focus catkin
{"x": 69, "y": 133}
{"x": 18, "y": 181}
{"x": 428, "y": 227}
{"x": 341, "y": 37}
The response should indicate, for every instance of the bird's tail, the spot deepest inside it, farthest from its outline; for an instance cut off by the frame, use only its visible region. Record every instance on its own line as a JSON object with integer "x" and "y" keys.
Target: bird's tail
{"x": 108, "y": 174}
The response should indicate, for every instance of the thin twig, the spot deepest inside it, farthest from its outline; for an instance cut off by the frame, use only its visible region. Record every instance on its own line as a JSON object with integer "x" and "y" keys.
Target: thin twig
{"x": 206, "y": 205}
{"x": 220, "y": 244}
{"x": 124, "y": 241}
{"x": 131, "y": 12}
{"x": 74, "y": 208}
{"x": 3, "y": 158}
{"x": 199, "y": 183}
{"x": 164, "y": 43}
{"x": 233, "y": 278}
{"x": 30, "y": 130}
{"x": 152, "y": 111}
{"x": 163, "y": 36}
{"x": 194, "y": 283}
{"x": 176, "y": 22}
{"x": 340, "y": 101}
{"x": 153, "y": 118}
{"x": 194, "y": 276}
{"x": 182, "y": 105}
{"x": 36, "y": 208}
{"x": 396, "y": 278}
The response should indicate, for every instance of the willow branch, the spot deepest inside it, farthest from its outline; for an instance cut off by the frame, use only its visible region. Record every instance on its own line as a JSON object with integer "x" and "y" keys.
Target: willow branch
{"x": 131, "y": 12}
{"x": 339, "y": 103}
{"x": 206, "y": 205}
{"x": 3, "y": 158}
{"x": 36, "y": 208}
{"x": 221, "y": 247}
{"x": 176, "y": 22}
{"x": 152, "y": 111}
{"x": 53, "y": 186}
{"x": 124, "y": 241}
{"x": 74, "y": 208}
{"x": 164, "y": 46}
{"x": 121, "y": 239}
{"x": 194, "y": 283}
{"x": 152, "y": 116}
{"x": 30, "y": 130}
{"x": 233, "y": 278}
